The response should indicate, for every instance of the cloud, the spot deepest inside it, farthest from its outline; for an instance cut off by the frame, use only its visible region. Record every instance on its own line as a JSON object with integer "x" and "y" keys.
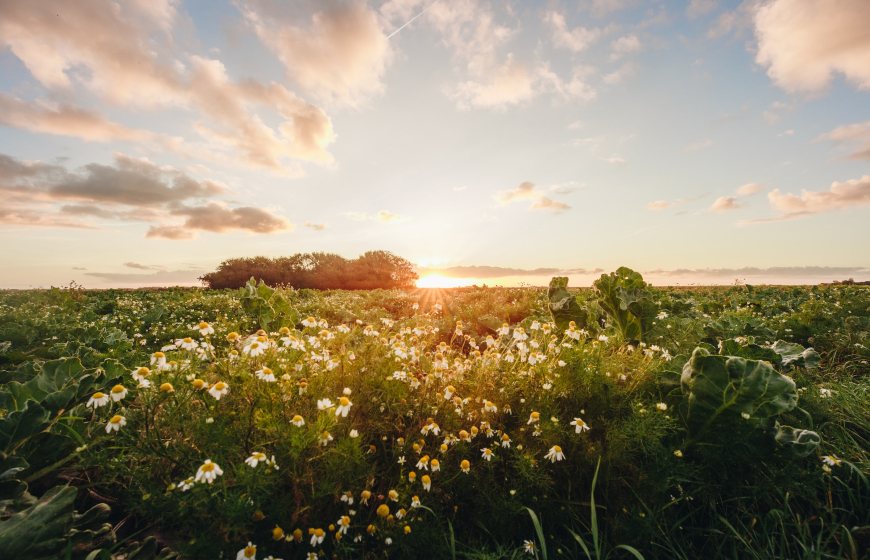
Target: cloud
{"x": 575, "y": 40}
{"x": 527, "y": 191}
{"x": 781, "y": 272}
{"x": 339, "y": 54}
{"x": 160, "y": 277}
{"x": 509, "y": 84}
{"x": 841, "y": 195}
{"x": 856, "y": 135}
{"x": 619, "y": 75}
{"x": 658, "y": 205}
{"x": 749, "y": 189}
{"x": 624, "y": 45}
{"x": 482, "y": 271}
{"x": 698, "y": 8}
{"x": 139, "y": 266}
{"x": 315, "y": 226}
{"x": 119, "y": 53}
{"x": 130, "y": 190}
{"x": 725, "y": 203}
{"x": 802, "y": 43}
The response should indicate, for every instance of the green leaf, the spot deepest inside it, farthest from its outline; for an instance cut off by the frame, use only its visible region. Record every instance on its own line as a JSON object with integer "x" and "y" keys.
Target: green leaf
{"x": 800, "y": 442}
{"x": 21, "y": 424}
{"x": 563, "y": 305}
{"x": 728, "y": 386}
{"x": 39, "y": 532}
{"x": 794, "y": 355}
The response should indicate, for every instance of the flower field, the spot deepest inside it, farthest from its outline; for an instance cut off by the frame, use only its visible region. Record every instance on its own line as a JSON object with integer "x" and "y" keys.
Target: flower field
{"x": 619, "y": 421}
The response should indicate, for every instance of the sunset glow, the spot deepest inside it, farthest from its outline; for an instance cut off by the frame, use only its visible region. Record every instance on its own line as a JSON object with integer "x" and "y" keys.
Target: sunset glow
{"x": 439, "y": 281}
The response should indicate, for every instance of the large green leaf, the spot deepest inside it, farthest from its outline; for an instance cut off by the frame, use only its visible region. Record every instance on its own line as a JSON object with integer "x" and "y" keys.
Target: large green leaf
{"x": 794, "y": 355}
{"x": 22, "y": 424}
{"x": 625, "y": 297}
{"x": 39, "y": 532}
{"x": 563, "y": 305}
{"x": 798, "y": 441}
{"x": 717, "y": 386}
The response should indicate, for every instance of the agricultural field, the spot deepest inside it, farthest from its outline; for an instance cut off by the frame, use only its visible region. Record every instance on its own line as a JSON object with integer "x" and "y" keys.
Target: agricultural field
{"x": 618, "y": 421}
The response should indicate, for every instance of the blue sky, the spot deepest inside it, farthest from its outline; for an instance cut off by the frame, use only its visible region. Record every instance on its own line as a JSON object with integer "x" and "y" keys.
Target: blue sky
{"x": 144, "y": 142}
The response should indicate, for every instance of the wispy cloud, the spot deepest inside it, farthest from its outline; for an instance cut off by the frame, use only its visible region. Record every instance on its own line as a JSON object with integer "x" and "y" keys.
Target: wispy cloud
{"x": 527, "y": 191}
{"x": 856, "y": 136}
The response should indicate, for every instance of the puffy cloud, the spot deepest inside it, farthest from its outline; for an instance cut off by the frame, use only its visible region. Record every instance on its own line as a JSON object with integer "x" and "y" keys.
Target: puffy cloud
{"x": 804, "y": 42}
{"x": 527, "y": 191}
{"x": 340, "y": 54}
{"x": 575, "y": 40}
{"x": 111, "y": 49}
{"x": 725, "y": 203}
{"x": 841, "y": 194}
{"x": 624, "y": 45}
{"x": 131, "y": 189}
{"x": 856, "y": 135}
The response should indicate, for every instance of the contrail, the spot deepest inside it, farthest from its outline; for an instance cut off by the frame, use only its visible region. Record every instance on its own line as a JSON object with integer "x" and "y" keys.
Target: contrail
{"x": 409, "y": 22}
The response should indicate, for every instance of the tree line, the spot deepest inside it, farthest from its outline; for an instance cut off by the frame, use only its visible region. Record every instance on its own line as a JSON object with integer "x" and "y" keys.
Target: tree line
{"x": 324, "y": 271}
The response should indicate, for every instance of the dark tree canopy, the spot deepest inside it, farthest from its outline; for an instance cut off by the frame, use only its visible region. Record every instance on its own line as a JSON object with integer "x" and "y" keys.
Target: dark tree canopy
{"x": 325, "y": 271}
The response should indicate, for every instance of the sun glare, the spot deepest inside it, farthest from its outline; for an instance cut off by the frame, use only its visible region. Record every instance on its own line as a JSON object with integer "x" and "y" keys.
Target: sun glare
{"x": 440, "y": 281}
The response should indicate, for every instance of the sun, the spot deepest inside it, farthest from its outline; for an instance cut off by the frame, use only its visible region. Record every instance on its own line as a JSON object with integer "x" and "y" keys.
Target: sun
{"x": 441, "y": 281}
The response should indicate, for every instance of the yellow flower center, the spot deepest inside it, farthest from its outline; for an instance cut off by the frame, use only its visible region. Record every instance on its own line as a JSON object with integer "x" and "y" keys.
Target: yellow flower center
{"x": 143, "y": 371}
{"x": 198, "y": 383}
{"x": 204, "y": 325}
{"x": 557, "y": 449}
{"x": 187, "y": 340}
{"x": 220, "y": 386}
{"x": 465, "y": 464}
{"x": 344, "y": 401}
{"x": 116, "y": 419}
{"x": 159, "y": 355}
{"x": 250, "y": 551}
{"x": 167, "y": 388}
{"x": 207, "y": 467}
{"x": 277, "y": 533}
{"x": 118, "y": 389}
{"x": 98, "y": 395}
{"x": 383, "y": 510}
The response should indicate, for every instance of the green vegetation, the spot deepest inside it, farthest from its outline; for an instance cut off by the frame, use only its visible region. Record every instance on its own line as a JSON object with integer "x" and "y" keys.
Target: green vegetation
{"x": 621, "y": 421}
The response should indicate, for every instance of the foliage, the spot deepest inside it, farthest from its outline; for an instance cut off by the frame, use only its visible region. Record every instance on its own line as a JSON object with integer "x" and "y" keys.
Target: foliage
{"x": 325, "y": 271}
{"x": 266, "y": 306}
{"x": 626, "y": 299}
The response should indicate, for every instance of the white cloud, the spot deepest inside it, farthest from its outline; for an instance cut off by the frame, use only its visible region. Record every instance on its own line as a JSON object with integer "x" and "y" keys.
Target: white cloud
{"x": 724, "y": 203}
{"x": 856, "y": 135}
{"x": 841, "y": 194}
{"x": 624, "y": 45}
{"x": 527, "y": 191}
{"x": 749, "y": 189}
{"x": 576, "y": 39}
{"x": 802, "y": 43}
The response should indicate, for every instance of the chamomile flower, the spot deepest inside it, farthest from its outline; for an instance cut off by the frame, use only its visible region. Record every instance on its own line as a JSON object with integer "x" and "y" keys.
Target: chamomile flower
{"x": 208, "y": 472}
{"x": 415, "y": 502}
{"x": 186, "y": 343}
{"x": 255, "y": 348}
{"x": 661, "y": 406}
{"x": 317, "y": 536}
{"x": 423, "y": 463}
{"x": 831, "y": 460}
{"x": 534, "y": 418}
{"x": 140, "y": 374}
{"x": 555, "y": 454}
{"x": 343, "y": 408}
{"x": 204, "y": 328}
{"x": 218, "y": 390}
{"x": 435, "y": 465}
{"x": 427, "y": 482}
{"x": 325, "y": 438}
{"x": 448, "y": 392}
{"x": 118, "y": 393}
{"x": 247, "y": 553}
{"x": 298, "y": 421}
{"x": 266, "y": 374}
{"x": 579, "y": 425}
{"x": 115, "y": 423}
{"x": 256, "y": 458}
{"x": 364, "y": 497}
{"x": 167, "y": 388}
{"x": 465, "y": 466}
{"x": 343, "y": 524}
{"x": 158, "y": 359}
{"x": 324, "y": 404}
{"x": 97, "y": 400}
{"x": 486, "y": 453}
{"x": 383, "y": 510}
{"x": 505, "y": 441}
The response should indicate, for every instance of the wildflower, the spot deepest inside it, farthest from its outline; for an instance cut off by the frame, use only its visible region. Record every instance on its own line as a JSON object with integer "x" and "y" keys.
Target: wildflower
{"x": 297, "y": 534}
{"x": 423, "y": 463}
{"x": 383, "y": 510}
{"x": 325, "y": 438}
{"x": 602, "y": 338}
{"x": 401, "y": 513}
{"x": 208, "y": 472}
{"x": 831, "y": 460}
{"x": 678, "y": 454}
{"x": 344, "y": 405}
{"x": 393, "y": 495}
{"x": 435, "y": 464}
{"x": 388, "y": 541}
{"x": 277, "y": 533}
{"x": 534, "y": 418}
{"x": 247, "y": 553}
{"x": 256, "y": 458}
{"x": 167, "y": 388}
{"x": 371, "y": 529}
{"x": 465, "y": 466}
{"x": 486, "y": 453}
{"x": 463, "y": 435}
{"x": 448, "y": 392}
{"x": 186, "y": 484}
{"x": 343, "y": 524}
{"x": 309, "y": 322}
{"x": 316, "y": 536}
{"x": 218, "y": 390}
{"x": 661, "y": 406}
{"x": 489, "y": 406}
{"x": 347, "y": 497}
{"x": 255, "y": 348}
{"x": 198, "y": 384}
{"x": 232, "y": 337}
{"x": 140, "y": 374}
{"x": 579, "y": 425}
{"x": 116, "y": 423}
{"x": 97, "y": 400}
{"x": 186, "y": 343}
{"x": 555, "y": 454}
{"x": 415, "y": 502}
{"x": 118, "y": 392}
{"x": 354, "y": 433}
{"x": 529, "y": 546}
{"x": 745, "y": 415}
{"x": 407, "y": 529}
{"x": 505, "y": 441}
{"x": 323, "y": 404}
{"x": 401, "y": 460}
{"x": 364, "y": 497}
{"x": 266, "y": 374}
{"x": 825, "y": 393}
{"x": 204, "y": 328}
{"x": 427, "y": 482}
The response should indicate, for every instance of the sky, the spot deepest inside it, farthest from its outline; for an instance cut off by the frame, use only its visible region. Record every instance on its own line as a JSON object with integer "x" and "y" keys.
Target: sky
{"x": 697, "y": 141}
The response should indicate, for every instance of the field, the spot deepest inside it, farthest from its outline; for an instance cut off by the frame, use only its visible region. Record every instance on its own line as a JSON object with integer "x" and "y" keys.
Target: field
{"x": 620, "y": 421}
